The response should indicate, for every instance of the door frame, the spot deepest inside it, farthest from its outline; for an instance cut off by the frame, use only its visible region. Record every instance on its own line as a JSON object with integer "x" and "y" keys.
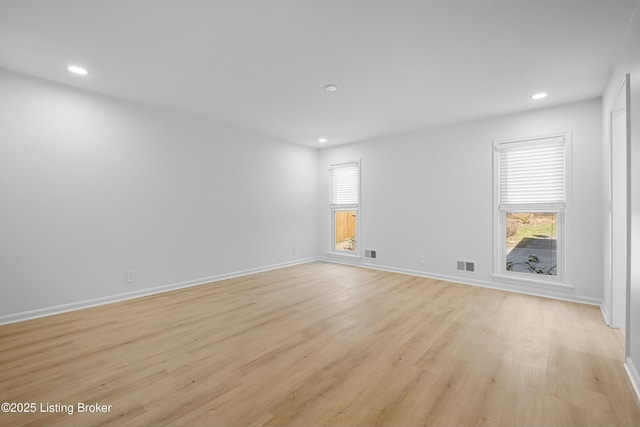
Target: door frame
{"x": 621, "y": 103}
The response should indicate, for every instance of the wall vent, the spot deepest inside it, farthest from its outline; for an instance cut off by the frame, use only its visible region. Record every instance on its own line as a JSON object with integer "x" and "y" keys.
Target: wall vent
{"x": 465, "y": 266}
{"x": 368, "y": 253}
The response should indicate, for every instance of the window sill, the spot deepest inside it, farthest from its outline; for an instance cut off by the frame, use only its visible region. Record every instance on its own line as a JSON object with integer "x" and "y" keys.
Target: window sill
{"x": 520, "y": 280}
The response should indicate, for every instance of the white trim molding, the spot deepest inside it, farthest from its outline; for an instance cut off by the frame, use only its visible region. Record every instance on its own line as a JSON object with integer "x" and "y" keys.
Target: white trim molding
{"x": 79, "y": 305}
{"x": 329, "y": 258}
{"x": 558, "y": 202}
{"x": 605, "y": 314}
{"x": 633, "y": 376}
{"x": 342, "y": 197}
{"x": 534, "y": 290}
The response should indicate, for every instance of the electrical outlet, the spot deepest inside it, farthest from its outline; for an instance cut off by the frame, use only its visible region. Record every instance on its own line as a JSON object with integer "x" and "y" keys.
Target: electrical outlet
{"x": 420, "y": 259}
{"x": 131, "y": 276}
{"x": 295, "y": 250}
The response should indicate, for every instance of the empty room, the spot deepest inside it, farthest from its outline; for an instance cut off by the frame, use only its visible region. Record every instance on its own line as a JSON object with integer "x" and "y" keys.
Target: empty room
{"x": 319, "y": 213}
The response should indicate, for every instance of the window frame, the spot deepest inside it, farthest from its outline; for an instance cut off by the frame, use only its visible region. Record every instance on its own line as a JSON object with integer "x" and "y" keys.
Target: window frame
{"x": 563, "y": 221}
{"x": 333, "y": 208}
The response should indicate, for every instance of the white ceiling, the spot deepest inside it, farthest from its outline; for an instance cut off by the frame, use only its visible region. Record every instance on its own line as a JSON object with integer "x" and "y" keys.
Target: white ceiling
{"x": 400, "y": 65}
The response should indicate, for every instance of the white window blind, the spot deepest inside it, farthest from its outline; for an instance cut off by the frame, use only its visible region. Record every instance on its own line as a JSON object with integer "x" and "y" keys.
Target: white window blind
{"x": 344, "y": 183}
{"x": 532, "y": 173}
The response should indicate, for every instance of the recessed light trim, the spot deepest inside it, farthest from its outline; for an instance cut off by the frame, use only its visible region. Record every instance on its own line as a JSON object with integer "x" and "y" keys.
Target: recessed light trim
{"x": 322, "y": 140}
{"x": 75, "y": 69}
{"x": 331, "y": 88}
{"x": 540, "y": 95}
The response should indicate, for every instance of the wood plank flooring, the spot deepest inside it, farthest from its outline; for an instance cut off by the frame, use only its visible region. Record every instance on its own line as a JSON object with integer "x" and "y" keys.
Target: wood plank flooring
{"x": 321, "y": 345}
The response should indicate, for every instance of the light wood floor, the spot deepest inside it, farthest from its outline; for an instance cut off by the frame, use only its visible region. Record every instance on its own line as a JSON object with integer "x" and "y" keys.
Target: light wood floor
{"x": 322, "y": 344}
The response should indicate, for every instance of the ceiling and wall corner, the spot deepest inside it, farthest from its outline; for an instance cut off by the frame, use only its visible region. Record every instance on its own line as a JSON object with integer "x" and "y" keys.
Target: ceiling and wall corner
{"x": 399, "y": 66}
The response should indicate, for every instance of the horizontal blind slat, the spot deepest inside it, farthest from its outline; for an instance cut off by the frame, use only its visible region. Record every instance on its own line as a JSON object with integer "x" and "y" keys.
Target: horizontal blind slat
{"x": 344, "y": 184}
{"x": 532, "y": 173}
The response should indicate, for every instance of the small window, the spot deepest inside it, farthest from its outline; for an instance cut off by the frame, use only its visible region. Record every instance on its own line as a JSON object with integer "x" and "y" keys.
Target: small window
{"x": 344, "y": 205}
{"x": 345, "y": 230}
{"x": 531, "y": 196}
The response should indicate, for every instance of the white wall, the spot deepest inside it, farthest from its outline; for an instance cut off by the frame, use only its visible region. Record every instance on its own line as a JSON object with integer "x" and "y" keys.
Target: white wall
{"x": 91, "y": 187}
{"x": 628, "y": 62}
{"x": 430, "y": 193}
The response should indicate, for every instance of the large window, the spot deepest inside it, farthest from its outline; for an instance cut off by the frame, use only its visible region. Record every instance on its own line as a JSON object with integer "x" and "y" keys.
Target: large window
{"x": 344, "y": 205}
{"x": 531, "y": 203}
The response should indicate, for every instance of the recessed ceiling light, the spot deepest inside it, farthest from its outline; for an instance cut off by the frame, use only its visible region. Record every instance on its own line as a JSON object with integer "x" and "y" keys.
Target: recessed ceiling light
{"x": 77, "y": 70}
{"x": 322, "y": 140}
{"x": 331, "y": 88}
{"x": 539, "y": 95}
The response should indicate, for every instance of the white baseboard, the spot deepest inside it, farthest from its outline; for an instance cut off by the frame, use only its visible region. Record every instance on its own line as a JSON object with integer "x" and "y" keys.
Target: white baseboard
{"x": 563, "y": 294}
{"x": 633, "y": 376}
{"x": 605, "y": 314}
{"x": 79, "y": 305}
